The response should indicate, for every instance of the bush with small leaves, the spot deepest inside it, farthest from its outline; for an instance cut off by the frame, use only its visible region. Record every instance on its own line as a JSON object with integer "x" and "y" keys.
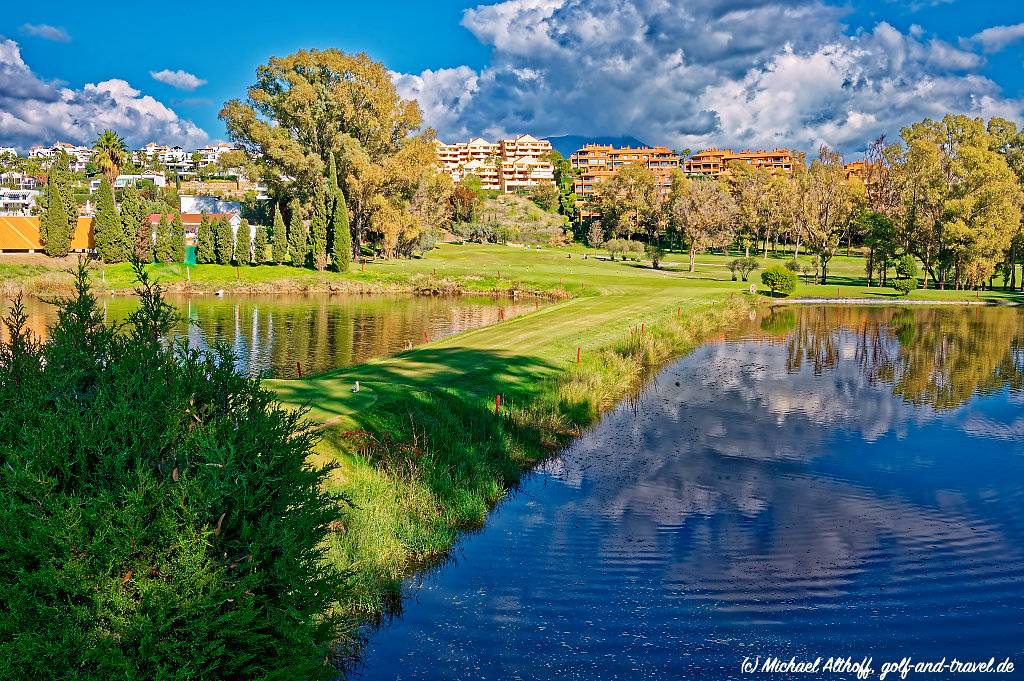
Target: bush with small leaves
{"x": 905, "y": 286}
{"x": 655, "y": 254}
{"x": 779, "y": 280}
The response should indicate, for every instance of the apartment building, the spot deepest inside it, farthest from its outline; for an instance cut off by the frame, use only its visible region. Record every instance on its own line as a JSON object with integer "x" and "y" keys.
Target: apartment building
{"x": 78, "y": 156}
{"x": 173, "y": 158}
{"x": 505, "y": 166}
{"x": 17, "y": 201}
{"x": 209, "y": 155}
{"x": 12, "y": 179}
{"x": 714, "y": 162}
{"x": 595, "y": 162}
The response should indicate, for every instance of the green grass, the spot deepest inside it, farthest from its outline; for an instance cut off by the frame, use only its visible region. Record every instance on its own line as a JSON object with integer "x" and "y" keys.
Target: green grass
{"x": 422, "y": 454}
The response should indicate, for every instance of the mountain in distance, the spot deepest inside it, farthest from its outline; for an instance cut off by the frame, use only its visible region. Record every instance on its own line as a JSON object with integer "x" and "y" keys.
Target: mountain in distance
{"x": 567, "y": 144}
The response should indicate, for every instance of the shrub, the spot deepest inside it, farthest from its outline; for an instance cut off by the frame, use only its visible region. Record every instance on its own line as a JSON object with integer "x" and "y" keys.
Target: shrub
{"x": 159, "y": 518}
{"x": 906, "y": 268}
{"x": 905, "y": 286}
{"x": 779, "y": 280}
{"x": 655, "y": 254}
{"x": 794, "y": 265}
{"x": 743, "y": 267}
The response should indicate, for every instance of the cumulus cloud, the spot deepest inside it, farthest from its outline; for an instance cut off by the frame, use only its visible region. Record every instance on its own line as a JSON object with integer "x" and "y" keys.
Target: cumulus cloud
{"x": 997, "y": 38}
{"x": 183, "y": 80}
{"x": 34, "y": 111}
{"x": 47, "y": 32}
{"x": 750, "y": 73}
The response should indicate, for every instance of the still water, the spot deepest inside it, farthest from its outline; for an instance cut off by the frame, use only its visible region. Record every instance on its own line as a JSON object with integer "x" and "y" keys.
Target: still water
{"x": 276, "y": 335}
{"x": 823, "y": 482}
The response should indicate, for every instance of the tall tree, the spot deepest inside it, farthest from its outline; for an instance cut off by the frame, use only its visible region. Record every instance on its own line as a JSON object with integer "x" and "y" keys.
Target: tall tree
{"x": 243, "y": 244}
{"x": 298, "y": 247}
{"x": 206, "y": 252}
{"x": 259, "y": 245}
{"x": 110, "y": 154}
{"x": 704, "y": 212}
{"x": 306, "y": 105}
{"x": 318, "y": 230}
{"x": 177, "y": 238}
{"x": 223, "y": 240}
{"x": 628, "y": 201}
{"x": 829, "y": 206}
{"x": 55, "y": 223}
{"x": 341, "y": 253}
{"x": 759, "y": 195}
{"x": 280, "y": 237}
{"x": 111, "y": 243}
{"x": 565, "y": 182}
{"x": 135, "y": 223}
{"x": 164, "y": 249}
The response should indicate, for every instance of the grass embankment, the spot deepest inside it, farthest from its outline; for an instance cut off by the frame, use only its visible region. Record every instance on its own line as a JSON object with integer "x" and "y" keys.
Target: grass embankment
{"x": 420, "y": 450}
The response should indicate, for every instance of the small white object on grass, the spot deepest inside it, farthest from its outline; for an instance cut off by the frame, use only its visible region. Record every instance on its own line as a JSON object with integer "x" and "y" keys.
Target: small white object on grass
{"x": 356, "y": 388}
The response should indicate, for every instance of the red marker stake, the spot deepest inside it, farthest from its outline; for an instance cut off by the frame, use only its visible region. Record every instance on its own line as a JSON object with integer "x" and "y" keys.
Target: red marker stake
{"x": 362, "y": 265}
{"x": 641, "y": 328}
{"x": 679, "y": 312}
{"x": 577, "y": 354}
{"x": 497, "y": 404}
{"x": 298, "y": 366}
{"x": 426, "y": 338}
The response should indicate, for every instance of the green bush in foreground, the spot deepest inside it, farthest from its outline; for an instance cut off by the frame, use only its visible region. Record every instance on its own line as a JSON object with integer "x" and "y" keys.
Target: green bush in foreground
{"x": 160, "y": 521}
{"x": 779, "y": 280}
{"x": 905, "y": 286}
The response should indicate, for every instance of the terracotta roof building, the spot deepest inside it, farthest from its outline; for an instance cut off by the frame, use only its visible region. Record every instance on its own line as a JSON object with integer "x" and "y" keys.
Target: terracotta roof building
{"x": 595, "y": 162}
{"x": 714, "y": 162}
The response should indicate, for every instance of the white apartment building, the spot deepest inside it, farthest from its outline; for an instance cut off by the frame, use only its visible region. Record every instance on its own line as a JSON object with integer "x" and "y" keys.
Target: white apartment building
{"x": 8, "y": 151}
{"x": 173, "y": 158}
{"x": 121, "y": 181}
{"x": 506, "y": 166}
{"x": 209, "y": 155}
{"x": 77, "y": 155}
{"x": 19, "y": 202}
{"x": 15, "y": 180}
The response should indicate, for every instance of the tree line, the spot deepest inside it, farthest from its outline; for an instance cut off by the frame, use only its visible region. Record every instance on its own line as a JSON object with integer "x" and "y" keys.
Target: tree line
{"x": 948, "y": 194}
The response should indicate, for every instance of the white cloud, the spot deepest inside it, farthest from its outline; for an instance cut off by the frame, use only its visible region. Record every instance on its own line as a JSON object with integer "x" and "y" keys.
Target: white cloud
{"x": 997, "y": 38}
{"x": 33, "y": 111}
{"x": 183, "y": 80}
{"x": 47, "y": 32}
{"x": 750, "y": 73}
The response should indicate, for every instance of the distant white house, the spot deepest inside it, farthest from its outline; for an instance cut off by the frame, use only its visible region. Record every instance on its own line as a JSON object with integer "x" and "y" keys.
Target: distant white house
{"x": 79, "y": 156}
{"x": 17, "y": 201}
{"x": 158, "y": 179}
{"x": 15, "y": 180}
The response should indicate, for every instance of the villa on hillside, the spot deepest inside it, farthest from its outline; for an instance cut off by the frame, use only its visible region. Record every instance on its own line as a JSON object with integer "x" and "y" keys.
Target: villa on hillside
{"x": 715, "y": 162}
{"x": 504, "y": 166}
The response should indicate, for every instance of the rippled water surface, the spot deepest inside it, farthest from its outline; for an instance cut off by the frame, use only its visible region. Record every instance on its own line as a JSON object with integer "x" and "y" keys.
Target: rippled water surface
{"x": 829, "y": 481}
{"x": 278, "y": 335}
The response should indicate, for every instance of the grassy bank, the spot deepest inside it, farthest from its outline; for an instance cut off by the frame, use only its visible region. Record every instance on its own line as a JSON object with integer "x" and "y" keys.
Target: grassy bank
{"x": 421, "y": 453}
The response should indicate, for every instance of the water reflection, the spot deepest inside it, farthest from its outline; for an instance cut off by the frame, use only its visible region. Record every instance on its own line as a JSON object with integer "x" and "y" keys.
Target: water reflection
{"x": 832, "y": 481}
{"x": 278, "y": 335}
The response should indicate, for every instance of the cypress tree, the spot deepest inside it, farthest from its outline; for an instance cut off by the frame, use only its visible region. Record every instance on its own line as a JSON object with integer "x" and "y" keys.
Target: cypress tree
{"x": 223, "y": 240}
{"x": 205, "y": 253}
{"x": 163, "y": 247}
{"x": 318, "y": 231}
{"x": 280, "y": 237}
{"x": 111, "y": 245}
{"x": 243, "y": 244}
{"x": 259, "y": 245}
{"x": 54, "y": 223}
{"x": 137, "y": 229}
{"x": 177, "y": 239}
{"x": 342, "y": 251}
{"x": 332, "y": 174}
{"x": 297, "y": 240}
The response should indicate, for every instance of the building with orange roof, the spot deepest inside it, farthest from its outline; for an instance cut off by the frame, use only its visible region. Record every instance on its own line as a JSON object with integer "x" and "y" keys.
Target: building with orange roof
{"x": 714, "y": 162}
{"x": 19, "y": 234}
{"x": 596, "y": 162}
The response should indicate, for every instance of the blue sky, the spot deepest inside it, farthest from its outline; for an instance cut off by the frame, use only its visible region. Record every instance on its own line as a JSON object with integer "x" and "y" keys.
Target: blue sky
{"x": 779, "y": 72}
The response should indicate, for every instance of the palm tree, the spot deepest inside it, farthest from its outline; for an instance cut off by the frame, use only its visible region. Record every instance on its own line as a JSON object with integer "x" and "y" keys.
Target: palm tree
{"x": 111, "y": 153}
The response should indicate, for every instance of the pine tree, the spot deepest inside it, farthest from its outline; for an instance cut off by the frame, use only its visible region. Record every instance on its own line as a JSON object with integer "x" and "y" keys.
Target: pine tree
{"x": 164, "y": 248}
{"x": 318, "y": 231}
{"x": 111, "y": 244}
{"x": 332, "y": 175}
{"x": 259, "y": 245}
{"x": 205, "y": 253}
{"x": 342, "y": 252}
{"x": 297, "y": 239}
{"x": 177, "y": 239}
{"x": 280, "y": 237}
{"x": 243, "y": 244}
{"x": 223, "y": 240}
{"x": 54, "y": 223}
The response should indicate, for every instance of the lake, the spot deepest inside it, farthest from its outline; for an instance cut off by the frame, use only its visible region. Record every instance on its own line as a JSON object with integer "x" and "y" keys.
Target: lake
{"x": 276, "y": 335}
{"x": 826, "y": 481}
